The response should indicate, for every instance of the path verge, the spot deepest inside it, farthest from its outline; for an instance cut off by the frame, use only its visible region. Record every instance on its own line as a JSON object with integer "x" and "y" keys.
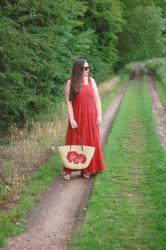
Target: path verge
{"x": 158, "y": 111}
{"x": 127, "y": 206}
{"x": 61, "y": 208}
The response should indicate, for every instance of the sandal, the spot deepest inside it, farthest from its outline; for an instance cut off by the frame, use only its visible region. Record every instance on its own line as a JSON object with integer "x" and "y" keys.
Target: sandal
{"x": 86, "y": 176}
{"x": 66, "y": 176}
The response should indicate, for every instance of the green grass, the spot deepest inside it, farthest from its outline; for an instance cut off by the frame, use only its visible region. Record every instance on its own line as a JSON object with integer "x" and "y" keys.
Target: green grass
{"x": 107, "y": 98}
{"x": 127, "y": 207}
{"x": 12, "y": 222}
{"x": 161, "y": 89}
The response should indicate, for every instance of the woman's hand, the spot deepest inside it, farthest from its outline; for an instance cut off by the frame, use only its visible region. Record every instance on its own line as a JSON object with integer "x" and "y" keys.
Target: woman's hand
{"x": 99, "y": 120}
{"x": 73, "y": 124}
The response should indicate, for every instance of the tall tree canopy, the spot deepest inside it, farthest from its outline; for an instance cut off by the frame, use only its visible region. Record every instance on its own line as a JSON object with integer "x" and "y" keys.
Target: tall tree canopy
{"x": 142, "y": 33}
{"x": 41, "y": 39}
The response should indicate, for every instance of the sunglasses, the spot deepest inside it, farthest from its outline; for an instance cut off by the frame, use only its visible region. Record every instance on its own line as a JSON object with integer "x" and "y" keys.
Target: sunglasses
{"x": 86, "y": 68}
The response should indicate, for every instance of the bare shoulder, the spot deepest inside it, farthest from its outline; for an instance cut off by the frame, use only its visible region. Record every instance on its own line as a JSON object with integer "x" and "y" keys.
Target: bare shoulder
{"x": 68, "y": 82}
{"x": 67, "y": 87}
{"x": 94, "y": 85}
{"x": 93, "y": 80}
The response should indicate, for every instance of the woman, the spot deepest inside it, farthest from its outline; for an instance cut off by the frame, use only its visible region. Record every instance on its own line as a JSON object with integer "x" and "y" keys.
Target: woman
{"x": 84, "y": 112}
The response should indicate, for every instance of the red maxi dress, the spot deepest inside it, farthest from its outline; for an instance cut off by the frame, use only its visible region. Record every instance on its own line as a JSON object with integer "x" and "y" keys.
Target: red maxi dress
{"x": 85, "y": 114}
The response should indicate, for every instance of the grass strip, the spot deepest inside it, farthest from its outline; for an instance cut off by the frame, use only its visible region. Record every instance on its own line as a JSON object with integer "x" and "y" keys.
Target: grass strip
{"x": 161, "y": 90}
{"x": 107, "y": 98}
{"x": 12, "y": 221}
{"x": 127, "y": 207}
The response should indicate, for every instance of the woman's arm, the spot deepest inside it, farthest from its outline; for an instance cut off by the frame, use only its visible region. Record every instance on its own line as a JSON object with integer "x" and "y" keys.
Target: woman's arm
{"x": 69, "y": 106}
{"x": 98, "y": 102}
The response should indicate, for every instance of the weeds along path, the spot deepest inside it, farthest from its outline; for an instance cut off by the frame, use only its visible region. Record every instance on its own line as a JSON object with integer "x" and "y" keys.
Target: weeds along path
{"x": 127, "y": 208}
{"x": 158, "y": 111}
{"x": 62, "y": 206}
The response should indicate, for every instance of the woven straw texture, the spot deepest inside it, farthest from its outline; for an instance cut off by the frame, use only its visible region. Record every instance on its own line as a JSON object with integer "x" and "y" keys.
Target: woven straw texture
{"x": 74, "y": 157}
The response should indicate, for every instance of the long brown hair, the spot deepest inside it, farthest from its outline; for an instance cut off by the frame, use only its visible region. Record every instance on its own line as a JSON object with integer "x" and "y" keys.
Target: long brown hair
{"x": 76, "y": 78}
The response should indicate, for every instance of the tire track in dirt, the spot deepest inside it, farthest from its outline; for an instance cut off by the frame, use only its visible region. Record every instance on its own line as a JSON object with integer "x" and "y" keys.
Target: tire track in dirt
{"x": 63, "y": 205}
{"x": 158, "y": 110}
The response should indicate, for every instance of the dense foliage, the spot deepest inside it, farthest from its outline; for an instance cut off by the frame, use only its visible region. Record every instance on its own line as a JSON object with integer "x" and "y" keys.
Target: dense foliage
{"x": 155, "y": 65}
{"x": 142, "y": 35}
{"x": 41, "y": 39}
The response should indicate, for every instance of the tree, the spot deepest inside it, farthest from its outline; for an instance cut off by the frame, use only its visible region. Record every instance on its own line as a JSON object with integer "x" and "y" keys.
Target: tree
{"x": 142, "y": 33}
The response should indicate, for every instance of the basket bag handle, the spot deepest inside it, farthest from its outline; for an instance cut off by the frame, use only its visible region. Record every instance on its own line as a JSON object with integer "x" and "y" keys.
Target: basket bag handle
{"x": 80, "y": 140}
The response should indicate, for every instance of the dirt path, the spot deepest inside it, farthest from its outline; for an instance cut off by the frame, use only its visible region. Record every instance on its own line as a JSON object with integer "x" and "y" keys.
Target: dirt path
{"x": 158, "y": 111}
{"x": 63, "y": 205}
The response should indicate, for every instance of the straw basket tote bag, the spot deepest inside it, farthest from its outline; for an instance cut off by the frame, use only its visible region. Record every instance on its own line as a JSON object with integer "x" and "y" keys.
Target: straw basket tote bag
{"x": 76, "y": 156}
